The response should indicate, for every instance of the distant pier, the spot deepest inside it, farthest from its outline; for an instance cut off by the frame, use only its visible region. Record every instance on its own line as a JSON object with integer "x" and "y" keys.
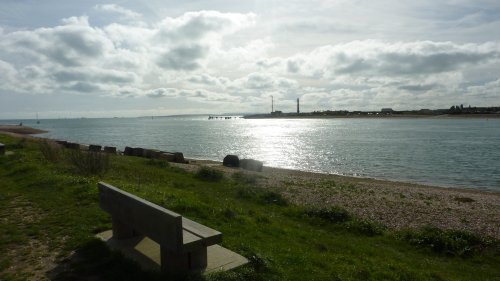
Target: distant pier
{"x": 222, "y": 117}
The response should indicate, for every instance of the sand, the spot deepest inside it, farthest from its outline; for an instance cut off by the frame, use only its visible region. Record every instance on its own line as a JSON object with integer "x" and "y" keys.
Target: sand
{"x": 22, "y": 130}
{"x": 396, "y": 205}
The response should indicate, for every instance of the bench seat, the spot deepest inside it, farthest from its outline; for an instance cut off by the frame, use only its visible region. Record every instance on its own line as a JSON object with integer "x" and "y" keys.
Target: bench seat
{"x": 183, "y": 242}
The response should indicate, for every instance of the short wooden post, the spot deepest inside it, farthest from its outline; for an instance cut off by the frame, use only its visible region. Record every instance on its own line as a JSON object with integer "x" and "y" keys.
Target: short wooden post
{"x": 2, "y": 149}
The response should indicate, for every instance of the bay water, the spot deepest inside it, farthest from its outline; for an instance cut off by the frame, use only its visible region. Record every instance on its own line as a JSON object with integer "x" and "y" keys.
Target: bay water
{"x": 454, "y": 152}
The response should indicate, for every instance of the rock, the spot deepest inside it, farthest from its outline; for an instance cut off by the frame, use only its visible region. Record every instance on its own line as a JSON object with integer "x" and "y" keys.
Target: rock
{"x": 61, "y": 142}
{"x": 251, "y": 165}
{"x": 129, "y": 151}
{"x": 179, "y": 157}
{"x": 138, "y": 151}
{"x": 152, "y": 153}
{"x": 110, "y": 149}
{"x": 231, "y": 161}
{"x": 72, "y": 145}
{"x": 170, "y": 157}
{"x": 95, "y": 148}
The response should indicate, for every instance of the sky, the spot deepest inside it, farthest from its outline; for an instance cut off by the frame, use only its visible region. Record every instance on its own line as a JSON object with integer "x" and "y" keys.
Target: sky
{"x": 71, "y": 59}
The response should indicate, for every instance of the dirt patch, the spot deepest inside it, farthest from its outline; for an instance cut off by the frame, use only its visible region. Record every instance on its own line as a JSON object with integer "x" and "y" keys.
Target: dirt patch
{"x": 29, "y": 256}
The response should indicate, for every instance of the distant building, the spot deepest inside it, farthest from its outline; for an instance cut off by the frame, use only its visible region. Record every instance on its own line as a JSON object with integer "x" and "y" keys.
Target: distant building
{"x": 387, "y": 110}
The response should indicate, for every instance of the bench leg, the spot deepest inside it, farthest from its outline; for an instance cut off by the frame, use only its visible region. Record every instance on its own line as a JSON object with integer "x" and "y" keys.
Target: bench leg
{"x": 121, "y": 230}
{"x": 188, "y": 261}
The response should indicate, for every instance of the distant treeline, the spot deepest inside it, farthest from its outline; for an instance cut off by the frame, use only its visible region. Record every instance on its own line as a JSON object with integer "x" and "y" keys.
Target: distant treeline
{"x": 453, "y": 110}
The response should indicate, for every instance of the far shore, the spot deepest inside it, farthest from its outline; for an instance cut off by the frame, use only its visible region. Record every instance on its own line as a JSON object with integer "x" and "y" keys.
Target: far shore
{"x": 380, "y": 116}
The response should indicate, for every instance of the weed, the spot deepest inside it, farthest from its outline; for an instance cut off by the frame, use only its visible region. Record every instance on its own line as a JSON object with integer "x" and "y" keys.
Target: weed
{"x": 273, "y": 198}
{"x": 464, "y": 199}
{"x": 50, "y": 151}
{"x": 449, "y": 242}
{"x": 158, "y": 163}
{"x": 333, "y": 214}
{"x": 244, "y": 178}
{"x": 19, "y": 144}
{"x": 88, "y": 162}
{"x": 365, "y": 227}
{"x": 209, "y": 174}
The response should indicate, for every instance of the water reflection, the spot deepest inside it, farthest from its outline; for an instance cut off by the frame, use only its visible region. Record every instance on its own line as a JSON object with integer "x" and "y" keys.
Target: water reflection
{"x": 455, "y": 152}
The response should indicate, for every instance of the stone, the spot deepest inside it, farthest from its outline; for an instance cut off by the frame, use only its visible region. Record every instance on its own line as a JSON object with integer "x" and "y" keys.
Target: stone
{"x": 61, "y": 142}
{"x": 72, "y": 145}
{"x": 251, "y": 165}
{"x": 138, "y": 151}
{"x": 152, "y": 153}
{"x": 95, "y": 148}
{"x": 179, "y": 157}
{"x": 129, "y": 151}
{"x": 110, "y": 149}
{"x": 231, "y": 161}
{"x": 170, "y": 157}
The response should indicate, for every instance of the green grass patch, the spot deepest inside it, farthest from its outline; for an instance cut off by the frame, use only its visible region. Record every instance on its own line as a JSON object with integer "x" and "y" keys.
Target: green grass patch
{"x": 447, "y": 242}
{"x": 209, "y": 174}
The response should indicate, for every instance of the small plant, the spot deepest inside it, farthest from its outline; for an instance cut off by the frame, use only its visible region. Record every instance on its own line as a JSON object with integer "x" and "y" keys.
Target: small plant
{"x": 464, "y": 199}
{"x": 273, "y": 198}
{"x": 158, "y": 163}
{"x": 209, "y": 174}
{"x": 20, "y": 144}
{"x": 50, "y": 151}
{"x": 365, "y": 227}
{"x": 333, "y": 214}
{"x": 244, "y": 178}
{"x": 449, "y": 242}
{"x": 89, "y": 162}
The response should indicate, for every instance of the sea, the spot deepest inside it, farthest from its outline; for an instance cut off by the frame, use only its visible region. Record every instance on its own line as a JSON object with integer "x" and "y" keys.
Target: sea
{"x": 453, "y": 152}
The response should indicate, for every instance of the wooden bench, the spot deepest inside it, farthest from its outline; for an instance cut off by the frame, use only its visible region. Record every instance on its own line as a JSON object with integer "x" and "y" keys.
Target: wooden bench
{"x": 183, "y": 242}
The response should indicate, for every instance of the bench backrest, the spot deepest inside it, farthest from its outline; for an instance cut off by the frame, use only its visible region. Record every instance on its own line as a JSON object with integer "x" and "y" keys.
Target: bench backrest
{"x": 151, "y": 220}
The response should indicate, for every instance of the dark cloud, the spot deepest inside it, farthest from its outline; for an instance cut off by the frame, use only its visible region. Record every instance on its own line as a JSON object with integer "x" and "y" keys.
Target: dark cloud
{"x": 162, "y": 93}
{"x": 410, "y": 64}
{"x": 418, "y": 88}
{"x": 83, "y": 87}
{"x": 401, "y": 63}
{"x": 293, "y": 66}
{"x": 203, "y": 79}
{"x": 183, "y": 58}
{"x": 259, "y": 81}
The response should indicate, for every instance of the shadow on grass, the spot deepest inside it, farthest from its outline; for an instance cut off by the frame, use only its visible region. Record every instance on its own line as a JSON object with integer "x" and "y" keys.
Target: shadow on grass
{"x": 95, "y": 261}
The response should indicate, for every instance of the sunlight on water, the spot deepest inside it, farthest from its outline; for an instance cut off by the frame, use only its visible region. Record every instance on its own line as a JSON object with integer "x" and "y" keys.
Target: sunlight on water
{"x": 446, "y": 152}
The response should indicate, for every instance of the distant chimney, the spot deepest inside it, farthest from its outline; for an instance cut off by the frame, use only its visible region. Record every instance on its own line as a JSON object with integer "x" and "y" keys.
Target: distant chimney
{"x": 298, "y": 106}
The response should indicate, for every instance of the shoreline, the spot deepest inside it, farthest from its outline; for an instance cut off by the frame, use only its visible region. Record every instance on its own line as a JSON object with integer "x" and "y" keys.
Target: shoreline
{"x": 393, "y": 204}
{"x": 384, "y": 116}
{"x": 396, "y": 205}
{"x": 20, "y": 130}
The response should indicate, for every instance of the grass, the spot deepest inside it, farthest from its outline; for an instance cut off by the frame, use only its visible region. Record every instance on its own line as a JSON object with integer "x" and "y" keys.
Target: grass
{"x": 57, "y": 206}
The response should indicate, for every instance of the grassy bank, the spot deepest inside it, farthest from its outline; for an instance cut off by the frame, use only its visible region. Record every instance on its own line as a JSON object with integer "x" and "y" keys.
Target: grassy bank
{"x": 49, "y": 215}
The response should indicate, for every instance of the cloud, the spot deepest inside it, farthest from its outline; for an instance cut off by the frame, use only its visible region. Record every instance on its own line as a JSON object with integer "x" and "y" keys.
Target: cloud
{"x": 183, "y": 57}
{"x": 162, "y": 93}
{"x": 119, "y": 10}
{"x": 198, "y": 25}
{"x": 235, "y": 61}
